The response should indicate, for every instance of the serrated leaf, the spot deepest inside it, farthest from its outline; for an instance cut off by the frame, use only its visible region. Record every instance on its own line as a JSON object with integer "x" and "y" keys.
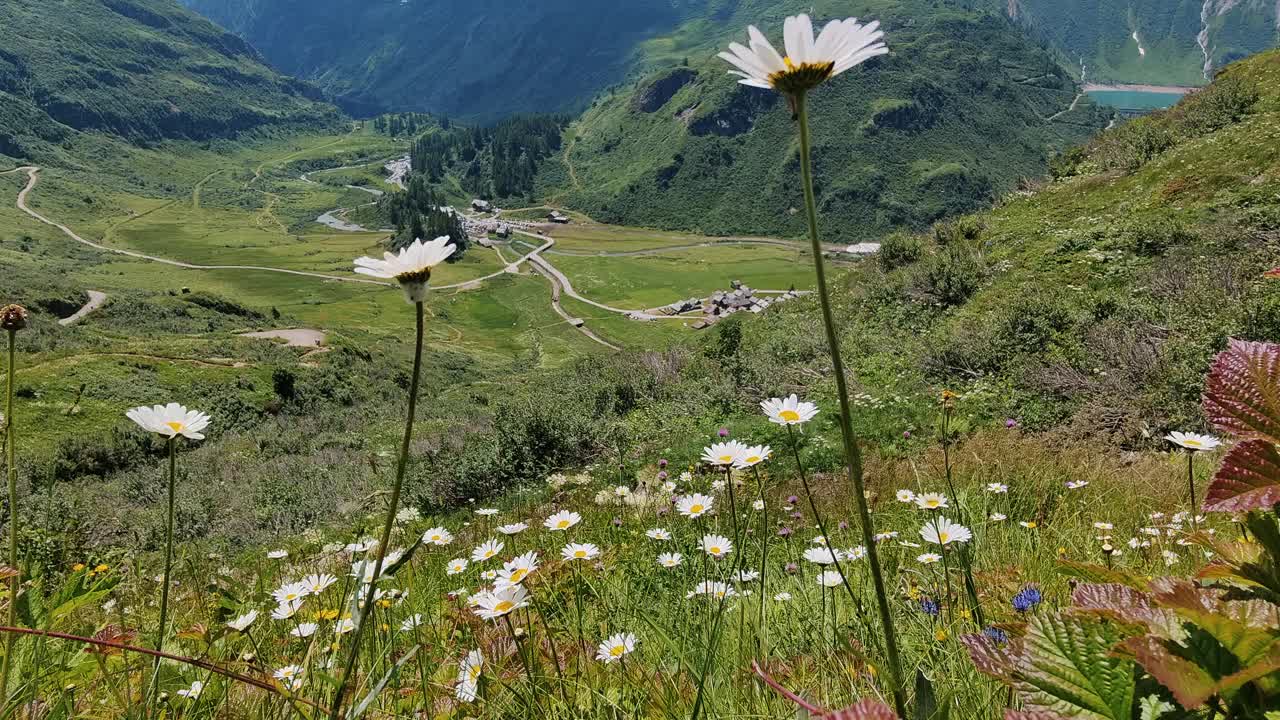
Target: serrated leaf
{"x": 1067, "y": 667}
{"x": 1249, "y": 479}
{"x": 1191, "y": 686}
{"x": 1127, "y": 605}
{"x": 1242, "y": 392}
{"x": 1246, "y": 629}
{"x": 1031, "y": 715}
{"x": 1000, "y": 661}
{"x": 1153, "y": 707}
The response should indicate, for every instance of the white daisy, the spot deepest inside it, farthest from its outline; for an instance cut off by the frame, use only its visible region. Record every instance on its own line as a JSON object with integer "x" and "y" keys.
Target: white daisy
{"x": 499, "y": 602}
{"x": 580, "y": 551}
{"x": 562, "y": 520}
{"x": 906, "y": 496}
{"x": 318, "y": 583}
{"x": 243, "y": 622}
{"x": 931, "y": 501}
{"x": 513, "y": 528}
{"x": 437, "y": 536}
{"x": 304, "y": 630}
{"x": 717, "y": 546}
{"x": 942, "y": 531}
{"x": 411, "y": 267}
{"x": 616, "y": 647}
{"x": 928, "y": 558}
{"x": 290, "y": 676}
{"x": 192, "y": 692}
{"x": 1193, "y": 442}
{"x": 670, "y": 560}
{"x": 695, "y": 505}
{"x": 456, "y": 566}
{"x": 789, "y": 411}
{"x": 469, "y": 676}
{"x": 998, "y": 488}
{"x": 658, "y": 534}
{"x": 809, "y": 62}
{"x": 486, "y": 550}
{"x": 724, "y": 453}
{"x": 753, "y": 455}
{"x": 829, "y": 578}
{"x": 170, "y": 420}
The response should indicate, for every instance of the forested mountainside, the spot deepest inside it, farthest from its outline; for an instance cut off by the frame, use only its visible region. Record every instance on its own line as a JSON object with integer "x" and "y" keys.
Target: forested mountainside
{"x": 143, "y": 70}
{"x": 1179, "y": 42}
{"x": 958, "y": 113}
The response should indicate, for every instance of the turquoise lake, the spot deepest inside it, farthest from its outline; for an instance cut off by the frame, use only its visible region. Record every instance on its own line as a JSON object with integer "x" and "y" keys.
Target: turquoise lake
{"x": 1135, "y": 99}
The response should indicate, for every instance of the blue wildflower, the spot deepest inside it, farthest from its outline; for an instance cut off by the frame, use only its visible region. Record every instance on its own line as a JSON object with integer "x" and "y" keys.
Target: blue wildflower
{"x": 1027, "y": 598}
{"x": 929, "y": 607}
{"x": 996, "y": 635}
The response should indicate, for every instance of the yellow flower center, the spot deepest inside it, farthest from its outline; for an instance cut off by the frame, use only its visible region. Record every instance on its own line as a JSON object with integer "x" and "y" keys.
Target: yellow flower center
{"x": 562, "y": 524}
{"x": 715, "y": 549}
{"x": 473, "y": 673}
{"x": 617, "y": 650}
{"x": 726, "y": 458}
{"x": 753, "y": 459}
{"x": 580, "y": 553}
{"x": 696, "y": 508}
{"x": 944, "y": 537}
{"x": 789, "y": 415}
{"x": 1191, "y": 443}
{"x": 931, "y": 503}
{"x": 504, "y": 606}
{"x": 518, "y": 575}
{"x": 176, "y": 426}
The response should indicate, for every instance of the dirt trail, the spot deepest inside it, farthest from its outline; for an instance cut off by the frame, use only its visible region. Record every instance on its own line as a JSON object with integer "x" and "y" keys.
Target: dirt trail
{"x": 33, "y": 174}
{"x": 293, "y": 337}
{"x": 96, "y": 300}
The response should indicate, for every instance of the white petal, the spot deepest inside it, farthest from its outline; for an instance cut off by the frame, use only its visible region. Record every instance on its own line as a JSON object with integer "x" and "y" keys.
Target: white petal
{"x": 768, "y": 57}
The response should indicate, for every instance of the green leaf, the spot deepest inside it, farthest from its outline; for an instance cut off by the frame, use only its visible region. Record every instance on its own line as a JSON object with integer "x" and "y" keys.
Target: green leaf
{"x": 1068, "y": 668}
{"x": 1242, "y": 392}
{"x": 1249, "y": 479}
{"x": 1191, "y": 686}
{"x": 1247, "y": 629}
{"x": 1153, "y": 707}
{"x": 359, "y": 710}
{"x": 926, "y": 701}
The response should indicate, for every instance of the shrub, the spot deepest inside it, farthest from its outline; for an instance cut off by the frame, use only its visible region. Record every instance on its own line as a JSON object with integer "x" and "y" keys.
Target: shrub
{"x": 899, "y": 249}
{"x": 1150, "y": 237}
{"x": 952, "y": 276}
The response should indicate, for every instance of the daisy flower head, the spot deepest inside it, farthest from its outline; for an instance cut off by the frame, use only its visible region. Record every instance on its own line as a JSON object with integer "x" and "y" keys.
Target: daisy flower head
{"x": 1193, "y": 442}
{"x": 782, "y": 597}
{"x": 277, "y": 554}
{"x": 193, "y": 692}
{"x": 487, "y": 512}
{"x": 942, "y": 531}
{"x": 789, "y": 410}
{"x": 855, "y": 553}
{"x": 820, "y": 555}
{"x": 411, "y": 267}
{"x": 998, "y": 517}
{"x": 658, "y": 534}
{"x": 242, "y": 623}
{"x": 829, "y": 578}
{"x": 905, "y": 496}
{"x": 717, "y": 546}
{"x": 724, "y": 454}
{"x": 931, "y": 501}
{"x": 411, "y": 623}
{"x": 616, "y": 647}
{"x": 928, "y": 558}
{"x": 514, "y": 571}
{"x": 1076, "y": 484}
{"x": 304, "y": 630}
{"x": 670, "y": 560}
{"x": 469, "y": 676}
{"x": 562, "y": 520}
{"x": 809, "y": 61}
{"x": 499, "y": 602}
{"x": 753, "y": 455}
{"x": 757, "y": 505}
{"x": 695, "y": 505}
{"x": 318, "y": 582}
{"x": 456, "y": 566}
{"x": 580, "y": 551}
{"x": 170, "y": 420}
{"x": 290, "y": 592}
{"x": 513, "y": 528}
{"x": 997, "y": 488}
{"x": 437, "y": 536}
{"x": 290, "y": 676}
{"x": 486, "y": 550}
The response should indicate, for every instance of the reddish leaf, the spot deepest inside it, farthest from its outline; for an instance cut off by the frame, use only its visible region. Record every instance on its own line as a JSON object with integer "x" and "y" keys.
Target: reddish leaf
{"x": 1032, "y": 715}
{"x": 1242, "y": 393}
{"x": 1249, "y": 479}
{"x": 1274, "y": 274}
{"x": 1190, "y": 685}
{"x": 1000, "y": 661}
{"x": 1126, "y": 605}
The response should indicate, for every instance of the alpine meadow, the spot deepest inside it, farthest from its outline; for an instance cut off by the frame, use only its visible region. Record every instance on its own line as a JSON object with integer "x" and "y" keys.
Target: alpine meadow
{"x": 845, "y": 359}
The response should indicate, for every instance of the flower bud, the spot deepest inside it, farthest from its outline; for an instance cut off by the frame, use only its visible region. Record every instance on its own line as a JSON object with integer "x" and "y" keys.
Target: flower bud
{"x": 13, "y": 318}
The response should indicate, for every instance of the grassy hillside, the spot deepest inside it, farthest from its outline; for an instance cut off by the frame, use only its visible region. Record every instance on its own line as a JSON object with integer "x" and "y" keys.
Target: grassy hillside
{"x": 1100, "y": 35}
{"x": 143, "y": 70}
{"x": 960, "y": 111}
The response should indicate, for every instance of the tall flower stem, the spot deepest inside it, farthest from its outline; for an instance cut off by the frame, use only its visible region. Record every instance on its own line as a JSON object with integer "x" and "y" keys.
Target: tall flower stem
{"x": 12, "y": 471}
{"x": 168, "y": 562}
{"x": 764, "y": 558}
{"x": 1191, "y": 476}
{"x": 852, "y": 452}
{"x": 336, "y": 709}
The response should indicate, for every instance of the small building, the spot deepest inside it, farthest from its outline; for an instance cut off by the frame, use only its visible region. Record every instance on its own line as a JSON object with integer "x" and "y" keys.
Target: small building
{"x": 503, "y": 231}
{"x": 481, "y": 205}
{"x": 557, "y": 217}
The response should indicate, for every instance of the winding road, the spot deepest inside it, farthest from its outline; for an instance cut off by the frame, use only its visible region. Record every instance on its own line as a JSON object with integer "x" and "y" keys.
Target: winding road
{"x": 96, "y": 299}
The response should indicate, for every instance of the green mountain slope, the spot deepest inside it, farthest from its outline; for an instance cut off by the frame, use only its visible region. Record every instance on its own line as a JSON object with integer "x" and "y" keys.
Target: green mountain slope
{"x": 143, "y": 70}
{"x": 1149, "y": 41}
{"x": 960, "y": 111}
